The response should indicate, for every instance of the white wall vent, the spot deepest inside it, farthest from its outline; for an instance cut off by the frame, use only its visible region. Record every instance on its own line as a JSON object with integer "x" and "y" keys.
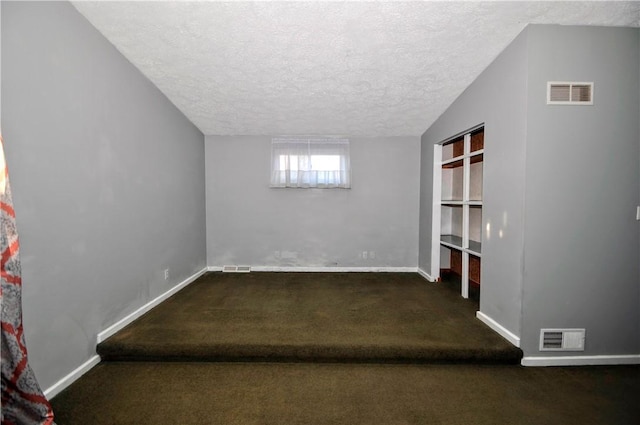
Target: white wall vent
{"x": 236, "y": 269}
{"x": 569, "y": 93}
{"x": 562, "y": 339}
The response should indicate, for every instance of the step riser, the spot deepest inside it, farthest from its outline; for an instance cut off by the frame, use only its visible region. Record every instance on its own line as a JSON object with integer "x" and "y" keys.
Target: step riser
{"x": 317, "y": 355}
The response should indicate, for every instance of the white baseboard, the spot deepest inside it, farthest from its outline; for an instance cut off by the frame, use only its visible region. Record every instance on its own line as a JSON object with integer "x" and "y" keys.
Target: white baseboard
{"x": 581, "y": 360}
{"x": 425, "y": 275}
{"x": 323, "y": 269}
{"x": 148, "y": 306}
{"x": 56, "y": 388}
{"x": 497, "y": 327}
{"x": 93, "y": 361}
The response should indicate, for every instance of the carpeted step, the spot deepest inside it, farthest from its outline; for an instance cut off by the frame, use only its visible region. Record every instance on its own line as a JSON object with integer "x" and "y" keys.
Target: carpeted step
{"x": 312, "y": 317}
{"x": 309, "y": 354}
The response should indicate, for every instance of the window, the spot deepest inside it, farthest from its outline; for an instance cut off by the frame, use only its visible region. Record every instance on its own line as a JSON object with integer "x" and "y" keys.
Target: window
{"x": 321, "y": 163}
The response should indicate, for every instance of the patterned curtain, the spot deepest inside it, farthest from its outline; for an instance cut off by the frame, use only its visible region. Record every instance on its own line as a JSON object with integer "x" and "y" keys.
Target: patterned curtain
{"x": 22, "y": 400}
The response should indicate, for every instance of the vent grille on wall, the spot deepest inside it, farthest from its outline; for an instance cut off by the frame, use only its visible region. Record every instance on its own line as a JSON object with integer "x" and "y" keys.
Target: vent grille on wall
{"x": 562, "y": 339}
{"x": 564, "y": 93}
{"x": 236, "y": 269}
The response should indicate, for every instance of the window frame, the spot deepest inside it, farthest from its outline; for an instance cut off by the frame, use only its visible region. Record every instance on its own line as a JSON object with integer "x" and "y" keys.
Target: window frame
{"x": 303, "y": 175}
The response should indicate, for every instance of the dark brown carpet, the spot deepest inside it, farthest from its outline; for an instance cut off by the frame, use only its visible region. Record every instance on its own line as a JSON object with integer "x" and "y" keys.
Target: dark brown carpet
{"x": 348, "y": 348}
{"x": 312, "y": 317}
{"x": 140, "y": 393}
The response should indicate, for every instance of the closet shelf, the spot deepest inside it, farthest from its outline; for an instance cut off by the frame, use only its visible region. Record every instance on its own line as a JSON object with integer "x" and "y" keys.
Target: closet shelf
{"x": 458, "y": 161}
{"x": 458, "y": 202}
{"x": 455, "y": 242}
{"x": 453, "y": 163}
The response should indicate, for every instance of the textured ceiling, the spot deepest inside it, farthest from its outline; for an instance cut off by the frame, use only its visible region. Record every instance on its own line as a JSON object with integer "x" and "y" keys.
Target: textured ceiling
{"x": 332, "y": 68}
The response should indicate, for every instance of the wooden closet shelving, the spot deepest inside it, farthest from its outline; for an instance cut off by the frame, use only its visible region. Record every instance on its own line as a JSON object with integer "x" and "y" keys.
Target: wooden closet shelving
{"x": 459, "y": 162}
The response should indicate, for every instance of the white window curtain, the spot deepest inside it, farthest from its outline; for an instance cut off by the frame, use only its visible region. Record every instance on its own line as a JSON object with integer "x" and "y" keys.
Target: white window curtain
{"x": 310, "y": 163}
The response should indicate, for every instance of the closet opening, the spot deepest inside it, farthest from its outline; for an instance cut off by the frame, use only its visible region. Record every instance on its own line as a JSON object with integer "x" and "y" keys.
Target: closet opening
{"x": 457, "y": 212}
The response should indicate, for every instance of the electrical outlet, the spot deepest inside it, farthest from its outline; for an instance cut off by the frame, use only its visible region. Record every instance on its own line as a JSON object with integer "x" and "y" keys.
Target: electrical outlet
{"x": 364, "y": 255}
{"x": 166, "y": 274}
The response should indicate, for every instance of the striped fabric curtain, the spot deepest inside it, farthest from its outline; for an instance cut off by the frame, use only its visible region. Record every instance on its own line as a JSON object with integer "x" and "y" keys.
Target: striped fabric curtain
{"x": 22, "y": 400}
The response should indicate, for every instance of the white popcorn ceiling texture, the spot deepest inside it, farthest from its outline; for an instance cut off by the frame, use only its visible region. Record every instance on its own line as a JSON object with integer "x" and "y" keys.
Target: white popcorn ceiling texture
{"x": 324, "y": 68}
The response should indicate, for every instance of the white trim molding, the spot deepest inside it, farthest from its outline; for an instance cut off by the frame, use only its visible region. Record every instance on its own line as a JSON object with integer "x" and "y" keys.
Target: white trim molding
{"x": 148, "y": 306}
{"x": 323, "y": 269}
{"x": 497, "y": 327}
{"x": 63, "y": 383}
{"x": 630, "y": 359}
{"x": 85, "y": 367}
{"x": 425, "y": 275}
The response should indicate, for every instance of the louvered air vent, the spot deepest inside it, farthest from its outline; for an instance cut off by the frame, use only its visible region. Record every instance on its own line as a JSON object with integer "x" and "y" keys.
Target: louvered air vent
{"x": 562, "y": 339}
{"x": 551, "y": 340}
{"x": 236, "y": 269}
{"x": 567, "y": 93}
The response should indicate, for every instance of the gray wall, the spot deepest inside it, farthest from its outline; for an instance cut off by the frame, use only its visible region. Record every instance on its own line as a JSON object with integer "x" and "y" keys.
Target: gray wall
{"x": 249, "y": 223}
{"x": 108, "y": 182}
{"x": 498, "y": 99}
{"x": 562, "y": 182}
{"x": 581, "y": 236}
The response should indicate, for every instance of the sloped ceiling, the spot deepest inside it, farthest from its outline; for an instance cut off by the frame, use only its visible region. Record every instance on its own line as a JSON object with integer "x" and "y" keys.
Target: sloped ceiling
{"x": 328, "y": 68}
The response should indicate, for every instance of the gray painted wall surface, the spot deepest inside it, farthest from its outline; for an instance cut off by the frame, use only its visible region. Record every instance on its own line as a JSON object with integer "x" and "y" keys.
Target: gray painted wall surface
{"x": 108, "y": 183}
{"x": 498, "y": 99}
{"x": 562, "y": 182}
{"x": 581, "y": 236}
{"x": 249, "y": 223}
